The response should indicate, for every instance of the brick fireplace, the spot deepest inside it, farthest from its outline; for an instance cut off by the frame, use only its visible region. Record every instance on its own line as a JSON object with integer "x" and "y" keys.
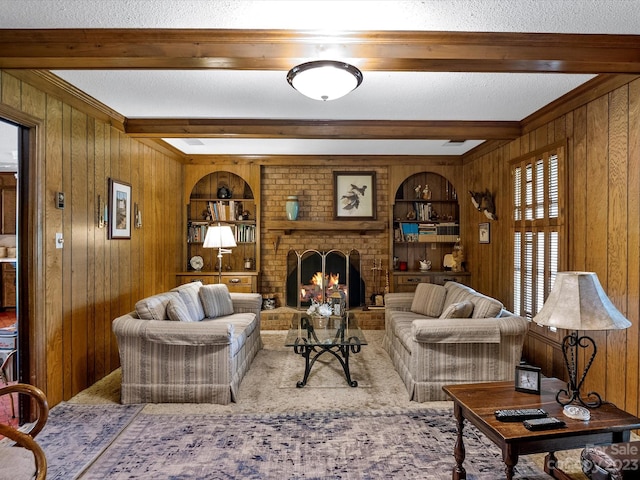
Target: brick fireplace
{"x": 313, "y": 275}
{"x": 313, "y": 184}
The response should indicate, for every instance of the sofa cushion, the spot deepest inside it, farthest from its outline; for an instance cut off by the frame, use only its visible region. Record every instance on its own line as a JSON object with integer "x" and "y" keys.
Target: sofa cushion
{"x": 458, "y": 310}
{"x": 483, "y": 306}
{"x": 428, "y": 299}
{"x": 189, "y": 295}
{"x": 155, "y": 306}
{"x": 216, "y": 300}
{"x": 178, "y": 311}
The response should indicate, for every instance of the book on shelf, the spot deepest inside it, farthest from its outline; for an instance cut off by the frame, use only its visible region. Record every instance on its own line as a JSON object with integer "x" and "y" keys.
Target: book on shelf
{"x": 423, "y": 211}
{"x": 196, "y": 232}
{"x": 222, "y": 211}
{"x": 409, "y": 232}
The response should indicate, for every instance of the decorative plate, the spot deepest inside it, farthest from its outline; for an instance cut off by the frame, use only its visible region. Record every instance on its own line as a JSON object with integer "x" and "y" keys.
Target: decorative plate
{"x": 196, "y": 262}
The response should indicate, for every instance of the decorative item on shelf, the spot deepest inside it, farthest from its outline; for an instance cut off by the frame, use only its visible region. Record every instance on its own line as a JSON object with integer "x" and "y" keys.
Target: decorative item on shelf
{"x": 425, "y": 265}
{"x": 248, "y": 263}
{"x": 324, "y": 79}
{"x": 292, "y": 207}
{"x": 458, "y": 257}
{"x": 220, "y": 237}
{"x": 224, "y": 192}
{"x": 196, "y": 262}
{"x": 426, "y": 193}
{"x": 578, "y": 302}
{"x": 418, "y": 191}
{"x": 448, "y": 262}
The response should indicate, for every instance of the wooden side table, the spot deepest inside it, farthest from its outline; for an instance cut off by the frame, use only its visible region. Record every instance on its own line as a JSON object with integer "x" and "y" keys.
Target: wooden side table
{"x": 477, "y": 403}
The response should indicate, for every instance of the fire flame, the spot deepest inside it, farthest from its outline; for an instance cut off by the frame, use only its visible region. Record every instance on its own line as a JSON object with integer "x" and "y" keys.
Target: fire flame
{"x": 321, "y": 283}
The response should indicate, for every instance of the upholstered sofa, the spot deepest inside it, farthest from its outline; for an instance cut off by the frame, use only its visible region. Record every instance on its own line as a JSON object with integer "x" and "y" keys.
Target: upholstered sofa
{"x": 450, "y": 334}
{"x": 193, "y": 344}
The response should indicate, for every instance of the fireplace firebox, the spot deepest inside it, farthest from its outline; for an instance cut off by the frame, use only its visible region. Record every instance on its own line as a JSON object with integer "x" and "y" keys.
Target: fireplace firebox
{"x": 313, "y": 275}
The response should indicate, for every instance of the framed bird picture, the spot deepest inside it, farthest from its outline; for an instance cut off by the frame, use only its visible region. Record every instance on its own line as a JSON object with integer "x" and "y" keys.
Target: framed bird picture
{"x": 354, "y": 195}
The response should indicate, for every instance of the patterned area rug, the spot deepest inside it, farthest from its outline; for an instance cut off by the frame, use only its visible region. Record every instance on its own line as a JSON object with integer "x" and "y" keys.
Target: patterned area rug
{"x": 75, "y": 435}
{"x": 326, "y": 445}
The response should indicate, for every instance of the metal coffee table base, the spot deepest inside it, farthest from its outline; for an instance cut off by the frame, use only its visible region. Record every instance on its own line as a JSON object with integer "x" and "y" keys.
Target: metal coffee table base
{"x": 341, "y": 351}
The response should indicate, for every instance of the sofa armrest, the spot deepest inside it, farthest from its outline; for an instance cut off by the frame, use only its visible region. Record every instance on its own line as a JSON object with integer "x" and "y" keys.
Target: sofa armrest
{"x": 513, "y": 325}
{"x": 398, "y": 301}
{"x": 168, "y": 332}
{"x": 246, "y": 302}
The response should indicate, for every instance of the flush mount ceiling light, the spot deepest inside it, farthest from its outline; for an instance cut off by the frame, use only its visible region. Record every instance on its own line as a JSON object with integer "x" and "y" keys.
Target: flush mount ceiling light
{"x": 324, "y": 79}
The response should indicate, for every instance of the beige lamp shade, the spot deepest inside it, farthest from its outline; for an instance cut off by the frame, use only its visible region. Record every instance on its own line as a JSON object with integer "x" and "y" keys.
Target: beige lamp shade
{"x": 578, "y": 302}
{"x": 219, "y": 236}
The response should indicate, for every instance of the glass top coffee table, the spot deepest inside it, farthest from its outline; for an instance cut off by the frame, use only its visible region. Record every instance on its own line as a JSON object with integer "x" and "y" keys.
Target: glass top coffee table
{"x": 312, "y": 337}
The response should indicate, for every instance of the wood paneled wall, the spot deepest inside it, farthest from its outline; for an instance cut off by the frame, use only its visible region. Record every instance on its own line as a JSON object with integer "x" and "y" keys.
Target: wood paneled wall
{"x": 603, "y": 225}
{"x": 92, "y": 280}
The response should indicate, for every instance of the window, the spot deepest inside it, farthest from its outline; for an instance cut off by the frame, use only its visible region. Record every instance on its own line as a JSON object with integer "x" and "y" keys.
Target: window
{"x": 537, "y": 226}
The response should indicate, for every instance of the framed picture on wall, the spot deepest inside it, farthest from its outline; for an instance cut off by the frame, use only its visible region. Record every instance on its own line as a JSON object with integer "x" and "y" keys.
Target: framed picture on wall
{"x": 354, "y": 195}
{"x": 484, "y": 232}
{"x": 119, "y": 210}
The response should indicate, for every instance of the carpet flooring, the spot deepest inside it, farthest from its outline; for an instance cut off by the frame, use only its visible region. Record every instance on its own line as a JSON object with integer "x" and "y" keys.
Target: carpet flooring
{"x": 314, "y": 445}
{"x": 268, "y": 392}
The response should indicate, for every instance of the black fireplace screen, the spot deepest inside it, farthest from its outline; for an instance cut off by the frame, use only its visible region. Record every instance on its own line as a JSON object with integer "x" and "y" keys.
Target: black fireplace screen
{"x": 314, "y": 275}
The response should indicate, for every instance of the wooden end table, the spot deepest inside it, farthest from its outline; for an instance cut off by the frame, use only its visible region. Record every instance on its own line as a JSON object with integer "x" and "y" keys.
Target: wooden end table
{"x": 477, "y": 402}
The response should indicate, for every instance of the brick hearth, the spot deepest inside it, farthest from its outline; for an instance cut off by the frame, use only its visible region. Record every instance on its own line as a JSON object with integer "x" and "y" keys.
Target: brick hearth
{"x": 280, "y": 318}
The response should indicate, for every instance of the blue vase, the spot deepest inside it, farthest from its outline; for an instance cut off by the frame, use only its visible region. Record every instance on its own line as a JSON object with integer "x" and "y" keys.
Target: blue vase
{"x": 292, "y": 207}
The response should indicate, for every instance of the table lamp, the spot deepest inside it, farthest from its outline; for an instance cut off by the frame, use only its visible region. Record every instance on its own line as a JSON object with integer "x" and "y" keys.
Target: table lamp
{"x": 578, "y": 302}
{"x": 220, "y": 237}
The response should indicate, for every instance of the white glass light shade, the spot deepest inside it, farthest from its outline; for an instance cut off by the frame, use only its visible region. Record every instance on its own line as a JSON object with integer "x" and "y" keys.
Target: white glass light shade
{"x": 578, "y": 302}
{"x": 219, "y": 236}
{"x": 324, "y": 79}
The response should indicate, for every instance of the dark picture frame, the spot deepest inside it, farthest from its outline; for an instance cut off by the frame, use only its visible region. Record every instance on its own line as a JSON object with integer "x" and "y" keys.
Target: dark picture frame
{"x": 484, "y": 232}
{"x": 119, "y": 210}
{"x": 354, "y": 195}
{"x": 528, "y": 379}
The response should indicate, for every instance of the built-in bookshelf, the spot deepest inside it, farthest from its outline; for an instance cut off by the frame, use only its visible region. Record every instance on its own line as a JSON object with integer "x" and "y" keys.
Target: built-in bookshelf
{"x": 425, "y": 225}
{"x": 222, "y": 198}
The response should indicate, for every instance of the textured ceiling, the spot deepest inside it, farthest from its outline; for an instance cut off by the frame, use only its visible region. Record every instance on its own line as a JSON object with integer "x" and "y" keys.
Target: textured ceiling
{"x": 382, "y": 95}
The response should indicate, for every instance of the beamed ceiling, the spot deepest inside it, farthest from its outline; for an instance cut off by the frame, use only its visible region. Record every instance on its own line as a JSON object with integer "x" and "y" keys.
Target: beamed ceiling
{"x": 128, "y": 74}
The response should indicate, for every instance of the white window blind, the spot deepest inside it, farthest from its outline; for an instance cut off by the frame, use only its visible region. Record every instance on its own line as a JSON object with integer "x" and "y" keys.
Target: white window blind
{"x": 537, "y": 227}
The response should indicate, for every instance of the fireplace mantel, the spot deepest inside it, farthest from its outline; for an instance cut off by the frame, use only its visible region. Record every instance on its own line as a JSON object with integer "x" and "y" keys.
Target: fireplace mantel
{"x": 362, "y": 226}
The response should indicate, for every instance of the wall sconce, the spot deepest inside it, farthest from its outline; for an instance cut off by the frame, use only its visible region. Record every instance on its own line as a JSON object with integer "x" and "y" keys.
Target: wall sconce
{"x": 102, "y": 213}
{"x": 137, "y": 216}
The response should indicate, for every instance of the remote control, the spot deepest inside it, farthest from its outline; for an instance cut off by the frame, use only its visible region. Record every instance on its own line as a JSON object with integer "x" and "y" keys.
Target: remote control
{"x": 519, "y": 415}
{"x": 543, "y": 423}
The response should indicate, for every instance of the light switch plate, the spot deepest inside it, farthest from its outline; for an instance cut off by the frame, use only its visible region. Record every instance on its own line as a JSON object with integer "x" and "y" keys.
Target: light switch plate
{"x": 59, "y": 240}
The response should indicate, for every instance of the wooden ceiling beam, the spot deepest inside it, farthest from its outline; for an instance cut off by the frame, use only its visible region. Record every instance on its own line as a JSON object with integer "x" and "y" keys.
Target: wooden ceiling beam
{"x": 281, "y": 49}
{"x": 321, "y": 129}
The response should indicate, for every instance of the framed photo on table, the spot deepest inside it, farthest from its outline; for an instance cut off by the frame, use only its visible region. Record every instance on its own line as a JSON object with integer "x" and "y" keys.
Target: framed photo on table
{"x": 354, "y": 195}
{"x": 119, "y": 210}
{"x": 484, "y": 232}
